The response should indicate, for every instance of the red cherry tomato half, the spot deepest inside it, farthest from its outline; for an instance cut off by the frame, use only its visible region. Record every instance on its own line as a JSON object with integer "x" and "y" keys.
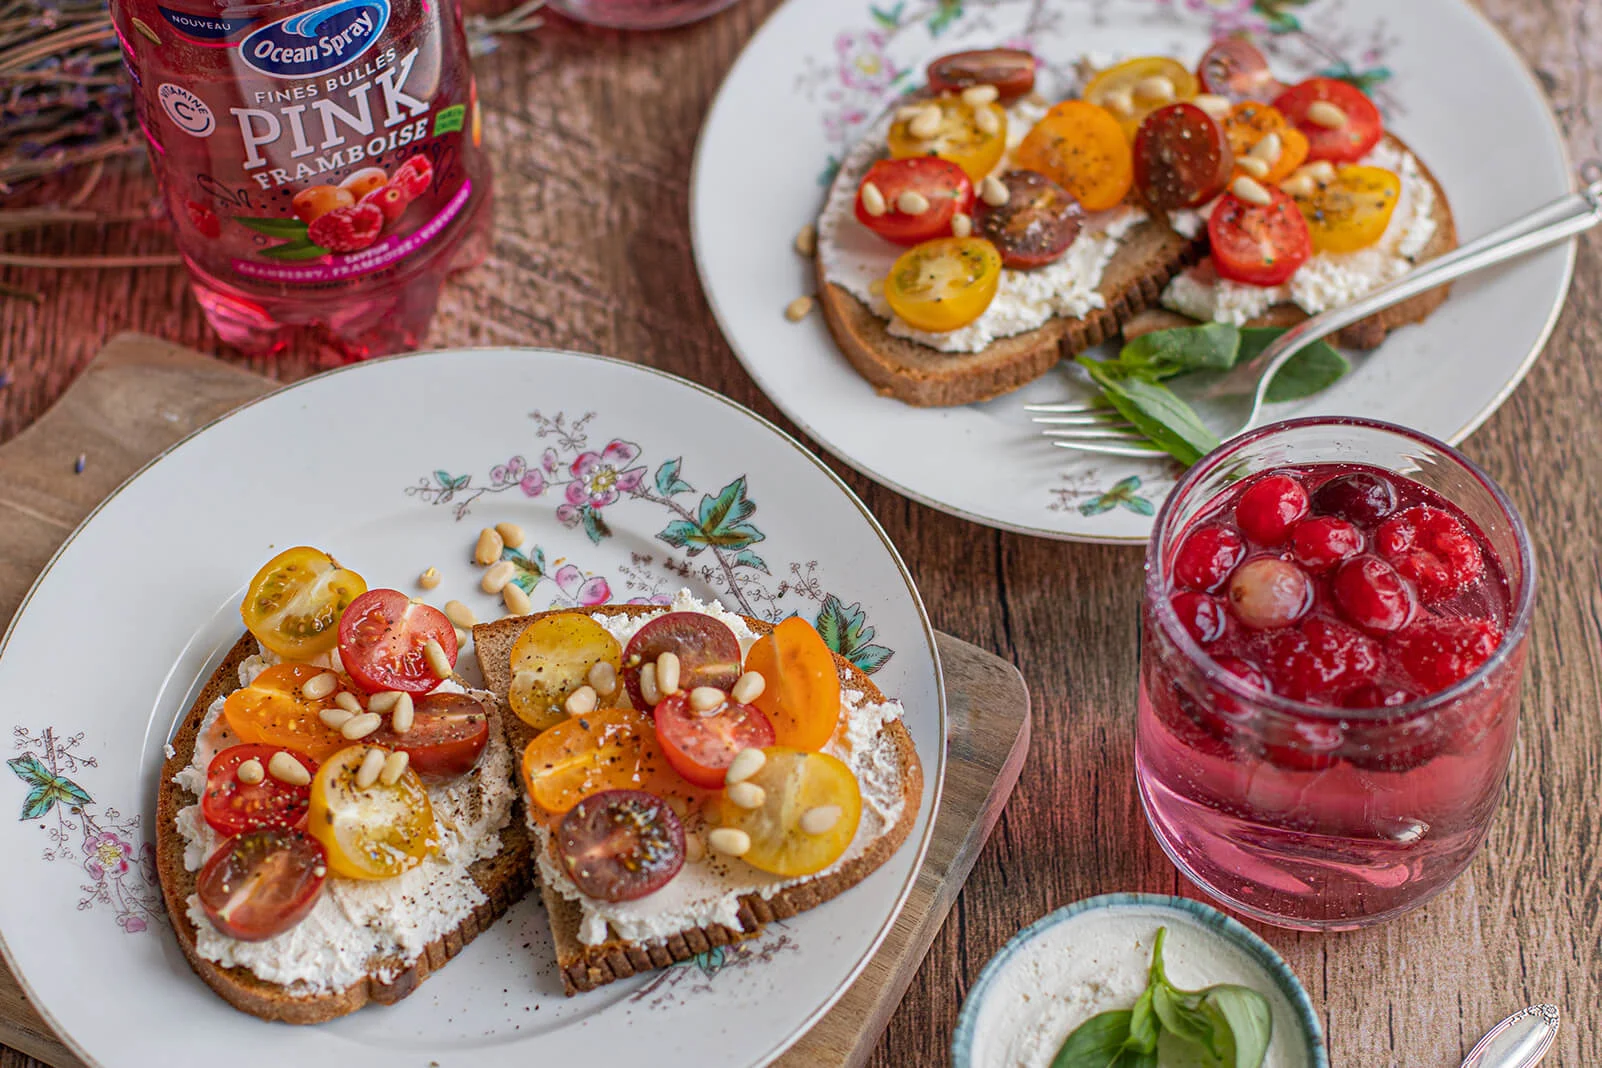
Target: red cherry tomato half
{"x": 1010, "y": 70}
{"x": 708, "y": 652}
{"x": 701, "y": 747}
{"x": 1233, "y": 67}
{"x": 1261, "y": 245}
{"x": 234, "y": 807}
{"x": 943, "y": 185}
{"x": 619, "y": 845}
{"x": 262, "y": 883}
{"x": 1347, "y": 143}
{"x": 1182, "y": 158}
{"x": 1037, "y": 223}
{"x": 381, "y": 640}
{"x": 448, "y": 734}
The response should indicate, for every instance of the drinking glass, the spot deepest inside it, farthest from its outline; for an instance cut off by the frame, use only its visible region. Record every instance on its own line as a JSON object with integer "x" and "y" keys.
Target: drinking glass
{"x": 638, "y": 14}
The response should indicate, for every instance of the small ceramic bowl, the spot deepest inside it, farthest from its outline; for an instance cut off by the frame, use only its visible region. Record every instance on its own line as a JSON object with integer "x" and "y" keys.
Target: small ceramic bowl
{"x": 1014, "y": 1015}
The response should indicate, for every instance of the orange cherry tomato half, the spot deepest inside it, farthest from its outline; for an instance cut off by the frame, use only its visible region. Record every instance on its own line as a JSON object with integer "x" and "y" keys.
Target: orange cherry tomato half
{"x": 1353, "y": 211}
{"x": 1010, "y": 70}
{"x": 273, "y": 710}
{"x": 701, "y": 746}
{"x": 944, "y": 187}
{"x": 1261, "y": 245}
{"x": 1353, "y": 138}
{"x": 944, "y": 284}
{"x": 232, "y": 806}
{"x": 971, "y": 143}
{"x": 370, "y": 832}
{"x": 382, "y": 638}
{"x": 608, "y": 749}
{"x": 448, "y": 734}
{"x": 1082, "y": 148}
{"x": 1182, "y": 159}
{"x": 293, "y": 604}
{"x": 1249, "y": 123}
{"x": 261, "y": 883}
{"x": 802, "y": 691}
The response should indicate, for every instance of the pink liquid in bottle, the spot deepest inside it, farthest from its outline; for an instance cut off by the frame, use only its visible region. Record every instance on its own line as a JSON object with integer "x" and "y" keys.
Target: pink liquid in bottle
{"x": 319, "y": 158}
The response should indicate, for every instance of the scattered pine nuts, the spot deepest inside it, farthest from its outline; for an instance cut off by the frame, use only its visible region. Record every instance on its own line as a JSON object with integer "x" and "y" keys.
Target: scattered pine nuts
{"x": 429, "y": 578}
{"x": 251, "y": 772}
{"x": 912, "y": 202}
{"x": 694, "y": 848}
{"x": 511, "y": 535}
{"x": 748, "y": 687}
{"x": 980, "y": 95}
{"x": 1247, "y": 189}
{"x": 347, "y": 700}
{"x": 1257, "y": 168}
{"x": 961, "y": 225}
{"x": 372, "y": 767}
{"x": 730, "y": 841}
{"x": 927, "y": 124}
{"x": 1156, "y": 87}
{"x": 806, "y": 240}
{"x": 667, "y": 673}
{"x": 287, "y": 769}
{"x": 438, "y": 662}
{"x": 488, "y": 549}
{"x": 462, "y": 637}
{"x": 993, "y": 191}
{"x": 820, "y": 820}
{"x": 1325, "y": 114}
{"x": 603, "y": 678}
{"x": 1268, "y": 149}
{"x": 872, "y": 199}
{"x": 798, "y": 309}
{"x": 394, "y": 767}
{"x": 1319, "y": 171}
{"x": 361, "y": 726}
{"x": 707, "y": 699}
{"x": 747, "y": 795}
{"x": 320, "y": 686}
{"x": 987, "y": 120}
{"x": 334, "y": 718}
{"x": 384, "y": 700}
{"x": 907, "y": 112}
{"x": 1214, "y": 105}
{"x": 1300, "y": 185}
{"x": 581, "y": 702}
{"x": 460, "y": 615}
{"x": 400, "y": 721}
{"x": 746, "y": 763}
{"x": 648, "y": 687}
{"x": 517, "y": 602}
{"x": 498, "y": 575}
{"x": 1119, "y": 102}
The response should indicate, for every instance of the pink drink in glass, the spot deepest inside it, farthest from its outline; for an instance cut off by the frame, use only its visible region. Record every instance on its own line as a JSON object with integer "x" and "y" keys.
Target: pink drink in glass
{"x": 319, "y": 159}
{"x": 1330, "y": 671}
{"x": 639, "y": 14}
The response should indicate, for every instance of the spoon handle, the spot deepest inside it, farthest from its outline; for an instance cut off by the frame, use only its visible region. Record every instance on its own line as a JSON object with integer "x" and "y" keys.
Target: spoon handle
{"x": 1519, "y": 1041}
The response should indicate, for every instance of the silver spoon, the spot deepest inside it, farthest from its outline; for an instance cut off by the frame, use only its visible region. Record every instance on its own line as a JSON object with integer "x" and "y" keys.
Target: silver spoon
{"x": 1519, "y": 1041}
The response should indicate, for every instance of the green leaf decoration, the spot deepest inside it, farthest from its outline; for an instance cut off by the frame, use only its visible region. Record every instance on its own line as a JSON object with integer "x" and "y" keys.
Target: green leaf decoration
{"x": 831, "y": 168}
{"x": 678, "y": 534}
{"x": 845, "y": 630}
{"x": 889, "y": 18}
{"x": 1097, "y": 505}
{"x": 48, "y": 790}
{"x": 594, "y": 526}
{"x": 720, "y": 523}
{"x": 1154, "y": 409}
{"x": 668, "y": 481}
{"x": 536, "y": 560}
{"x": 288, "y": 228}
{"x": 1165, "y": 353}
{"x": 294, "y": 252}
{"x": 747, "y": 558}
{"x": 1139, "y": 505}
{"x": 530, "y": 569}
{"x": 950, "y": 11}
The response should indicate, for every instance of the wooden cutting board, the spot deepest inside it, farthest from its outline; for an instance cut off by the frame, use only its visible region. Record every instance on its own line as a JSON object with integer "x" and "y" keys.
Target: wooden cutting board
{"x": 141, "y": 395}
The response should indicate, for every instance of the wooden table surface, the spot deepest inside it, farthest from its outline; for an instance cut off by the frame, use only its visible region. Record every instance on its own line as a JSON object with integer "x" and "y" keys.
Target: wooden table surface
{"x": 593, "y": 135}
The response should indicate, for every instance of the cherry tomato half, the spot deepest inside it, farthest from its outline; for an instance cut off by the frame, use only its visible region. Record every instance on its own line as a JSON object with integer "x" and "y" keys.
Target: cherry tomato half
{"x": 382, "y": 637}
{"x": 945, "y": 283}
{"x": 802, "y": 691}
{"x": 552, "y": 658}
{"x": 708, "y": 652}
{"x": 1126, "y": 89}
{"x": 371, "y": 832}
{"x": 1182, "y": 159}
{"x": 294, "y": 603}
{"x": 234, "y": 807}
{"x": 448, "y": 734}
{"x": 700, "y": 746}
{"x": 1010, "y": 70}
{"x": 943, "y": 185}
{"x": 619, "y": 845}
{"x": 1235, "y": 68}
{"x": 1259, "y": 245}
{"x": 1036, "y": 225}
{"x": 274, "y": 710}
{"x": 261, "y": 883}
{"x": 960, "y": 137}
{"x": 1353, "y": 211}
{"x": 1347, "y": 143}
{"x": 785, "y": 840}
{"x": 608, "y": 749}
{"x": 1249, "y": 122}
{"x": 1082, "y": 148}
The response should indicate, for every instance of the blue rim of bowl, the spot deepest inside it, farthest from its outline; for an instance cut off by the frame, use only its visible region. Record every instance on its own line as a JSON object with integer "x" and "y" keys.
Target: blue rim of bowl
{"x": 1209, "y": 917}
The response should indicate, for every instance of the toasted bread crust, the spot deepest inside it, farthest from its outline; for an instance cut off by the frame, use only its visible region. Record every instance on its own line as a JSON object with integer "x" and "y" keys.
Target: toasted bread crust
{"x": 586, "y": 967}
{"x": 504, "y": 879}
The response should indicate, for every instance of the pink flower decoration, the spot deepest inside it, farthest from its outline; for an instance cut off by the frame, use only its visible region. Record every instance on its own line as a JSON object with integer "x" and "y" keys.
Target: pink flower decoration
{"x": 660, "y": 598}
{"x": 1229, "y": 16}
{"x": 549, "y": 461}
{"x": 863, "y": 64}
{"x": 106, "y": 854}
{"x": 600, "y": 478}
{"x": 132, "y": 924}
{"x": 533, "y": 484}
{"x": 580, "y": 590}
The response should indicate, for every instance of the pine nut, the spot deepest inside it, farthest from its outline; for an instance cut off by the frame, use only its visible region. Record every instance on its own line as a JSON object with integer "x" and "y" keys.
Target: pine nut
{"x": 1156, "y": 87}
{"x": 320, "y": 686}
{"x": 438, "y": 662}
{"x": 1268, "y": 149}
{"x": 347, "y": 700}
{"x": 1298, "y": 186}
{"x": 383, "y": 701}
{"x": 287, "y": 769}
{"x": 872, "y": 200}
{"x": 907, "y": 112}
{"x": 251, "y": 772}
{"x": 806, "y": 240}
{"x": 927, "y": 124}
{"x": 459, "y": 614}
{"x": 993, "y": 191}
{"x": 747, "y": 795}
{"x": 746, "y": 763}
{"x": 748, "y": 687}
{"x": 602, "y": 678}
{"x": 1119, "y": 102}
{"x": 1216, "y": 106}
{"x": 798, "y": 308}
{"x": 961, "y": 225}
{"x": 394, "y": 767}
{"x": 1248, "y": 190}
{"x": 694, "y": 848}
{"x": 980, "y": 95}
{"x": 987, "y": 120}
{"x": 517, "y": 601}
{"x": 429, "y": 578}
{"x": 462, "y": 637}
{"x": 1325, "y": 114}
{"x": 511, "y": 535}
{"x": 498, "y": 575}
{"x": 1253, "y": 166}
{"x": 400, "y": 721}
{"x": 334, "y": 718}
{"x": 372, "y": 767}
{"x": 820, "y": 820}
{"x": 488, "y": 549}
{"x": 581, "y": 702}
{"x": 730, "y": 841}
{"x": 667, "y": 674}
{"x": 648, "y": 688}
{"x": 358, "y": 727}
{"x": 912, "y": 202}
{"x": 707, "y": 699}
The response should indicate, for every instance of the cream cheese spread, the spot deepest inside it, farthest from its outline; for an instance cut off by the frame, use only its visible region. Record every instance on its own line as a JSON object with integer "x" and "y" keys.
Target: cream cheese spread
{"x": 1328, "y": 279}
{"x": 708, "y": 891}
{"x": 857, "y": 260}
{"x": 361, "y": 927}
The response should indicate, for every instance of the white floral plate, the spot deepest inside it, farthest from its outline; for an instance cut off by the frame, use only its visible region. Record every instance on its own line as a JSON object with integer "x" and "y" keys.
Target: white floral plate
{"x": 630, "y": 484}
{"x": 819, "y": 70}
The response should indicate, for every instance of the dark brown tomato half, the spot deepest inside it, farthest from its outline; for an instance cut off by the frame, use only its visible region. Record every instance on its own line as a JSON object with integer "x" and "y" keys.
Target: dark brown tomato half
{"x": 708, "y": 652}
{"x": 1010, "y": 70}
{"x": 1182, "y": 158}
{"x": 1037, "y": 223}
{"x": 447, "y": 736}
{"x": 262, "y": 883}
{"x": 1233, "y": 67}
{"x": 619, "y": 845}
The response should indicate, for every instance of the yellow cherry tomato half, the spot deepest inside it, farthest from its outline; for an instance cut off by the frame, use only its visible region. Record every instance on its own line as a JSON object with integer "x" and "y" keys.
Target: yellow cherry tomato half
{"x": 293, "y": 604}
{"x": 974, "y": 144}
{"x": 1082, "y": 148}
{"x": 273, "y": 710}
{"x": 372, "y": 832}
{"x": 810, "y": 809}
{"x": 801, "y": 691}
{"x": 552, "y": 658}
{"x": 1135, "y": 88}
{"x": 1352, "y": 211}
{"x": 945, "y": 283}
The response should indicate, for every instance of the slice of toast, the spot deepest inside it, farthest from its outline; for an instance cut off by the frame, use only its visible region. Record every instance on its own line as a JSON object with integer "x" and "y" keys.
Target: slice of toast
{"x": 585, "y": 967}
{"x": 503, "y": 878}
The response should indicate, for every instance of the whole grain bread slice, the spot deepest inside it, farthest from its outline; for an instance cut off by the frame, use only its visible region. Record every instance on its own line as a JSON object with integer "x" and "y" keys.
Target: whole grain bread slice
{"x": 585, "y": 967}
{"x": 504, "y": 879}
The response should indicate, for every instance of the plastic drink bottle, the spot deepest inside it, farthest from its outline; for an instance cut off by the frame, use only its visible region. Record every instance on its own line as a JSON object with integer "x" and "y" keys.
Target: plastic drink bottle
{"x": 320, "y": 160}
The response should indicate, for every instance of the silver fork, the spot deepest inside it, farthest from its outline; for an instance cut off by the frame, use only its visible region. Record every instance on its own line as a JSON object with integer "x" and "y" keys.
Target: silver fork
{"x": 1100, "y": 429}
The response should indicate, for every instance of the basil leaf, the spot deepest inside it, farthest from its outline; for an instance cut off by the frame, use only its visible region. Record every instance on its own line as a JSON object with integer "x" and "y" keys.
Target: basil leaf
{"x": 1164, "y": 353}
{"x": 1164, "y": 419}
{"x": 1313, "y": 369}
{"x": 274, "y": 227}
{"x": 295, "y": 250}
{"x": 1246, "y": 1015}
{"x": 1143, "y": 1025}
{"x": 1182, "y": 1016}
{"x": 1096, "y": 1043}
